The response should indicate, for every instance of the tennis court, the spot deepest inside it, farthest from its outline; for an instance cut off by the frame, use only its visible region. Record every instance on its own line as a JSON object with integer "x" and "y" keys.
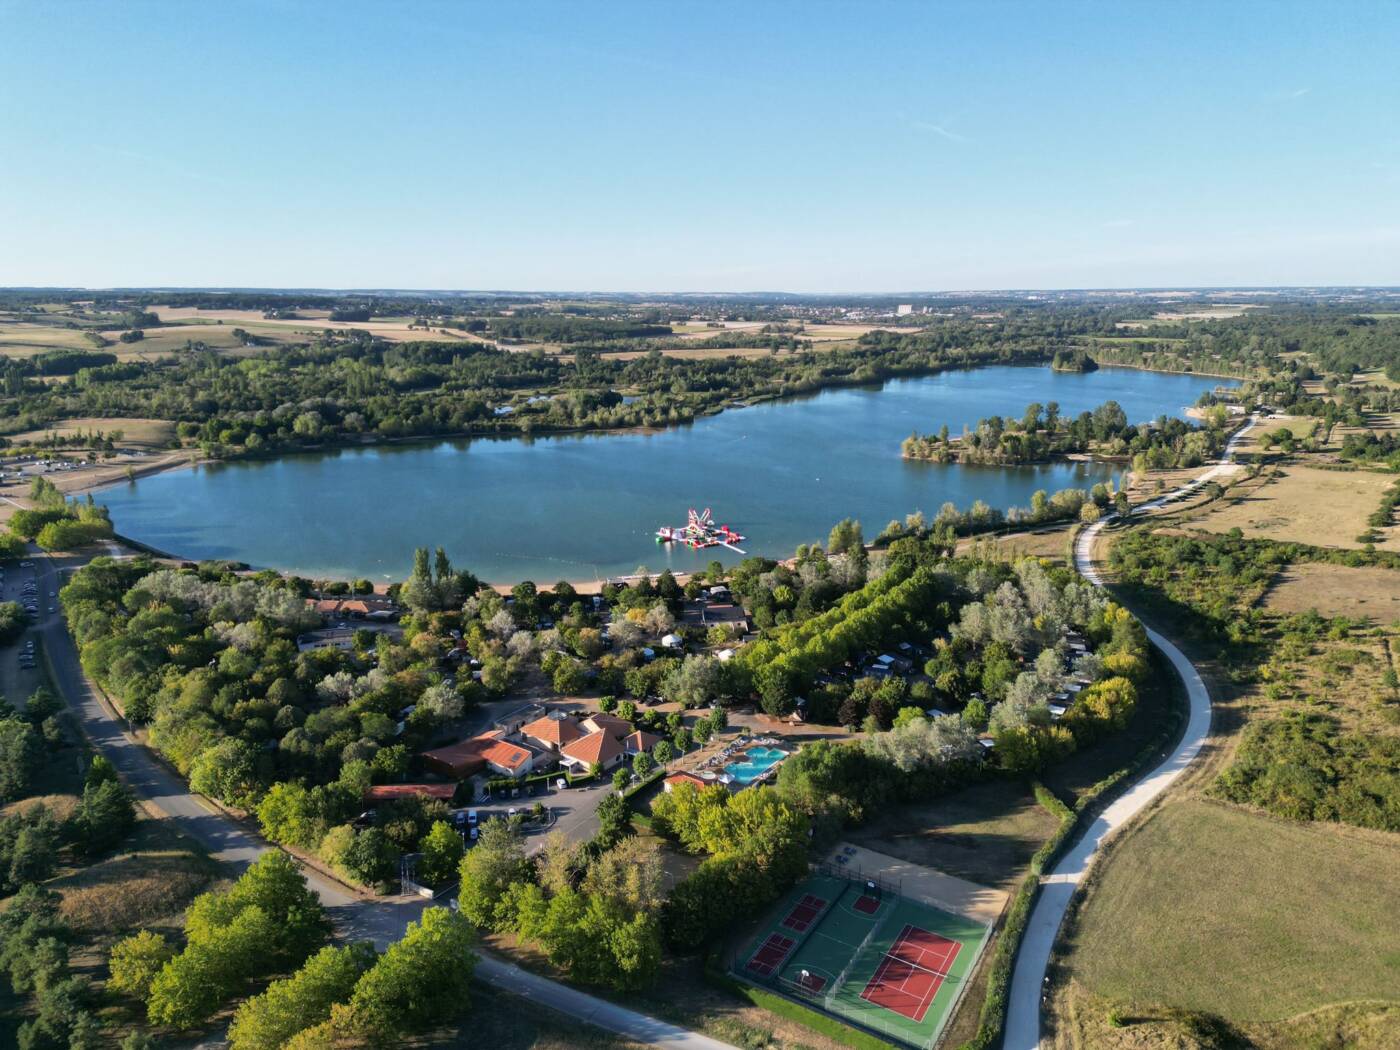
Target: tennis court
{"x": 804, "y": 911}
{"x": 866, "y": 955}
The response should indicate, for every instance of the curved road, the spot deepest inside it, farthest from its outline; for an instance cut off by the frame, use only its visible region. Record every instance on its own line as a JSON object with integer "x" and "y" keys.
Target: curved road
{"x": 356, "y": 917}
{"x": 1057, "y": 888}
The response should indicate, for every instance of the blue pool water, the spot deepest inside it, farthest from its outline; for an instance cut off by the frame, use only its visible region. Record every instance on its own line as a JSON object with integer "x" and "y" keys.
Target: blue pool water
{"x": 759, "y": 760}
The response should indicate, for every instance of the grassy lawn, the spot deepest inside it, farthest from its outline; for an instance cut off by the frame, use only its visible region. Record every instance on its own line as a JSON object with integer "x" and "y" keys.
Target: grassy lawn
{"x": 1211, "y": 908}
{"x": 1085, "y": 1020}
{"x": 683, "y": 995}
{"x": 506, "y": 1022}
{"x": 985, "y": 833}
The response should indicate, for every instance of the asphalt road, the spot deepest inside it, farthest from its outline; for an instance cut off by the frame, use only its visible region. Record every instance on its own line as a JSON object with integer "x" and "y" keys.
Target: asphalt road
{"x": 356, "y": 918}
{"x": 1058, "y": 887}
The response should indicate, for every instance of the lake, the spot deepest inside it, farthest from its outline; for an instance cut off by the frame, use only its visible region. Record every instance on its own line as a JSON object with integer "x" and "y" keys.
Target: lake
{"x": 584, "y": 506}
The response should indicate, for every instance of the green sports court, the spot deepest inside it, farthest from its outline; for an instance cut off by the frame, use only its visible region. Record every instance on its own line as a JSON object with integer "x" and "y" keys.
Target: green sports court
{"x": 856, "y": 949}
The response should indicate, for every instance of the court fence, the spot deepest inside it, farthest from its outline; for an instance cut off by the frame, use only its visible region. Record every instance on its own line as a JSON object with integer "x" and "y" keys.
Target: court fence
{"x": 735, "y": 956}
{"x": 852, "y": 873}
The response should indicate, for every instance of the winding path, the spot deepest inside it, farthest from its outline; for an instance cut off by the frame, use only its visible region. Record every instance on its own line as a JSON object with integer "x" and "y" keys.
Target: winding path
{"x": 355, "y": 916}
{"x": 1057, "y": 888}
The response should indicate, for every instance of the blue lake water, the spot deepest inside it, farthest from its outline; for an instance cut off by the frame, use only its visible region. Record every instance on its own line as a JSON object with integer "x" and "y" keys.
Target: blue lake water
{"x": 585, "y": 506}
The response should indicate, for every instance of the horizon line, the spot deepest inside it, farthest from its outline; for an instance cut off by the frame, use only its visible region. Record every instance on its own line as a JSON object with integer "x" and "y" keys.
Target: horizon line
{"x": 555, "y": 292}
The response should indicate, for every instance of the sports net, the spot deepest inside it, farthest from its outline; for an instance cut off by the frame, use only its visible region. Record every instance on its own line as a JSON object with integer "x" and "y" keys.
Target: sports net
{"x": 845, "y": 973}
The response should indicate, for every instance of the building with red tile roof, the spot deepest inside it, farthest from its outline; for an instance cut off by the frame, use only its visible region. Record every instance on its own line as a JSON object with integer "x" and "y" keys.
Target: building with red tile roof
{"x": 699, "y": 783}
{"x": 553, "y": 733}
{"x": 640, "y": 741}
{"x": 599, "y": 748}
{"x": 490, "y": 751}
{"x": 614, "y": 726}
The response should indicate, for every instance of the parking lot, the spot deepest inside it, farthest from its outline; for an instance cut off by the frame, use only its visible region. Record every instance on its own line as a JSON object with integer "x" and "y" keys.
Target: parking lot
{"x": 574, "y": 810}
{"x": 20, "y": 662}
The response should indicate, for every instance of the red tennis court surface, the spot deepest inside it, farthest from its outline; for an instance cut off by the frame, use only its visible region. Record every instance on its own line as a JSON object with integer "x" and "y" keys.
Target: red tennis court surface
{"x": 911, "y": 972}
{"x": 771, "y": 953}
{"x": 812, "y": 982}
{"x": 803, "y": 912}
{"x": 867, "y": 905}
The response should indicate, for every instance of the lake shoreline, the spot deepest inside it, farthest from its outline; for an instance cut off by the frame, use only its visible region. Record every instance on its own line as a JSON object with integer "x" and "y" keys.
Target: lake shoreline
{"x": 597, "y": 508}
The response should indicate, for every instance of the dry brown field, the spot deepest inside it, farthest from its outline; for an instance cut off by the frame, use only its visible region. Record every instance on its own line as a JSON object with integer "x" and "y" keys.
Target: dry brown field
{"x": 1337, "y": 590}
{"x": 1326, "y": 508}
{"x": 139, "y": 433}
{"x": 21, "y": 339}
{"x": 1375, "y": 377}
{"x": 1048, "y": 542}
{"x": 311, "y": 324}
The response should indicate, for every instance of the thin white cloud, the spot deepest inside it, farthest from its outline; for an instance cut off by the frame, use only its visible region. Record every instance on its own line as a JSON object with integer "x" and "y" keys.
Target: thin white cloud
{"x": 940, "y": 130}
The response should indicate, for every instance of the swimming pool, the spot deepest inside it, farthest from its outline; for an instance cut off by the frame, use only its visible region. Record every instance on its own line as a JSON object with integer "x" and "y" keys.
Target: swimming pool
{"x": 758, "y": 760}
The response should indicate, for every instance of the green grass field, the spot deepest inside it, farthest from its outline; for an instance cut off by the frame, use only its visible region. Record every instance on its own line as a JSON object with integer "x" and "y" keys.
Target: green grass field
{"x": 888, "y": 964}
{"x": 1212, "y": 908}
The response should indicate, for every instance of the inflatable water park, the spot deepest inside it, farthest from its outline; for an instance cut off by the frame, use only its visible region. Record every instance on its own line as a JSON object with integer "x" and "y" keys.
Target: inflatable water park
{"x": 700, "y": 531}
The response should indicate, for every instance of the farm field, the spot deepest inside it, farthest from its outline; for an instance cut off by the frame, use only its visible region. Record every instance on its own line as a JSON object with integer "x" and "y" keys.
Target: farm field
{"x": 702, "y": 330}
{"x": 23, "y": 339}
{"x": 159, "y": 342}
{"x": 1327, "y": 508}
{"x": 696, "y": 353}
{"x": 1298, "y": 929}
{"x": 313, "y": 322}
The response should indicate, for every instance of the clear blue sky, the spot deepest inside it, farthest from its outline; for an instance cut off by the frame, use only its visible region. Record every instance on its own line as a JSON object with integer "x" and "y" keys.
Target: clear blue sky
{"x": 659, "y": 146}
